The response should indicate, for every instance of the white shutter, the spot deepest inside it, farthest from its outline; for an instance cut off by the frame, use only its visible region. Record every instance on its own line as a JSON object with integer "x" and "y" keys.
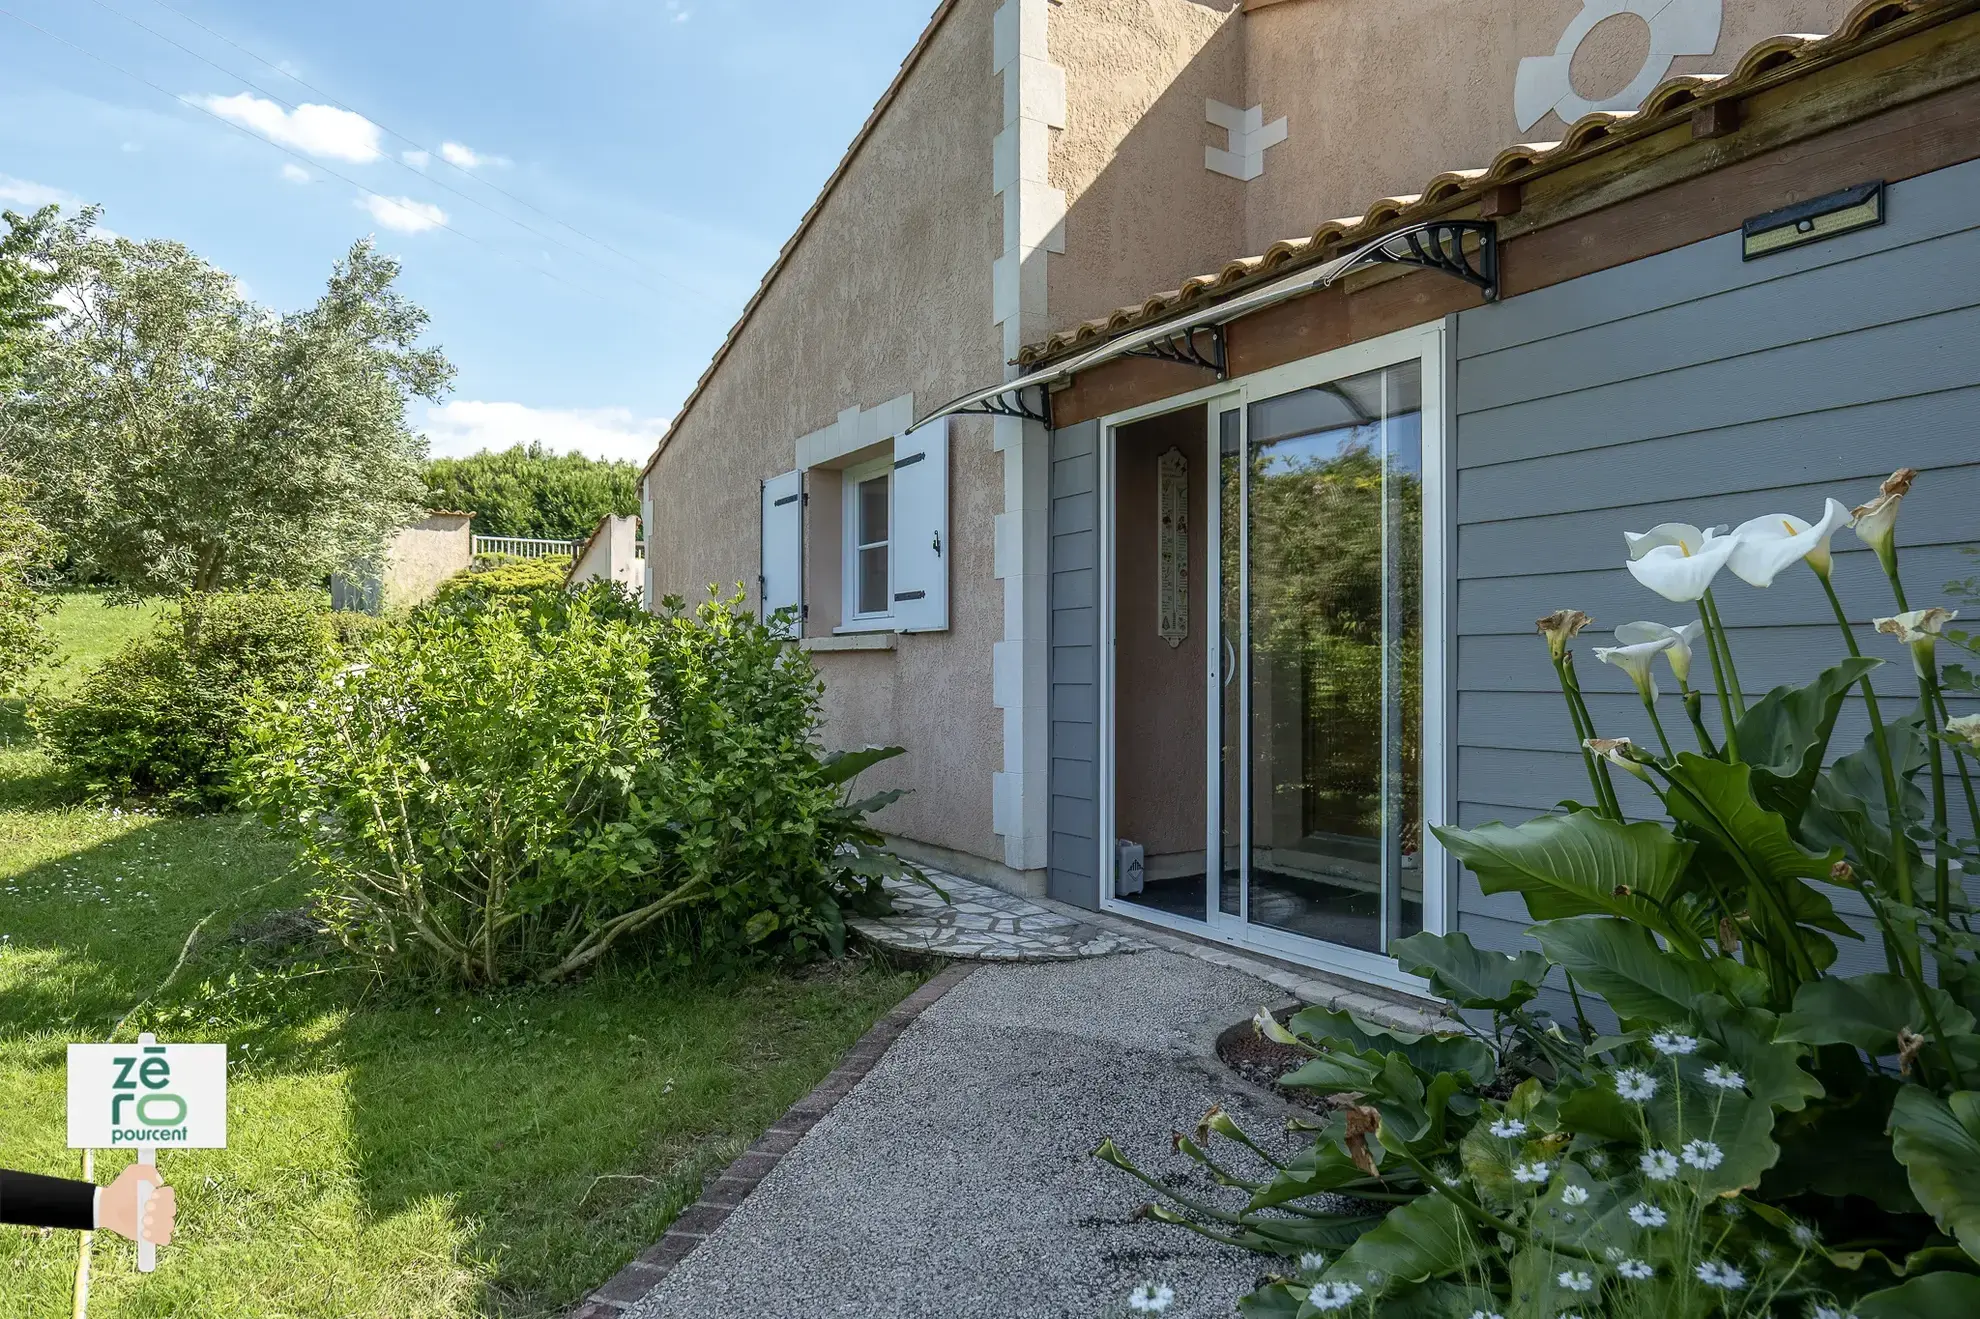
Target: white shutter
{"x": 921, "y": 529}
{"x": 781, "y": 573}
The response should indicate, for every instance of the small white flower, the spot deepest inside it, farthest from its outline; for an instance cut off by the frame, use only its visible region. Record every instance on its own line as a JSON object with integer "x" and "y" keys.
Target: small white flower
{"x": 1636, "y": 1270}
{"x": 1636, "y": 1085}
{"x": 1803, "y": 1235}
{"x": 1731, "y": 1208}
{"x": 1151, "y": 1298}
{"x": 1508, "y": 1128}
{"x": 1672, "y": 1045}
{"x": 1647, "y": 1215}
{"x": 1530, "y": 1172}
{"x": 1724, "y": 1276}
{"x": 1659, "y": 1165}
{"x": 1830, "y": 1312}
{"x": 1574, "y": 1195}
{"x": 1312, "y": 1262}
{"x": 1576, "y": 1280}
{"x": 1486, "y": 1314}
{"x": 1724, "y": 1078}
{"x": 1597, "y": 1160}
{"x": 1703, "y": 1155}
{"x": 1333, "y": 1295}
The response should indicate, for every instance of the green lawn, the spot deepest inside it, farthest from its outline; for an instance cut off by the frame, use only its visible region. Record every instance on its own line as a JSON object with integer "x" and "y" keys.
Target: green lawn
{"x": 389, "y": 1156}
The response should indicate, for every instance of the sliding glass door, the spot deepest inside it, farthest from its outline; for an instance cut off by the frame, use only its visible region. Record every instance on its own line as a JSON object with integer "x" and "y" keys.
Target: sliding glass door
{"x": 1321, "y": 659}
{"x": 1332, "y": 605}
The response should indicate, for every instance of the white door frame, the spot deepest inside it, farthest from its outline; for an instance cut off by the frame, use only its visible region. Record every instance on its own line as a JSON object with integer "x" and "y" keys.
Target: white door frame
{"x": 1424, "y": 343}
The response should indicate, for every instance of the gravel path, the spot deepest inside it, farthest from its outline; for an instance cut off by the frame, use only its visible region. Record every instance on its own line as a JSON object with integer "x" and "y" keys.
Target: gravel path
{"x": 955, "y": 1180}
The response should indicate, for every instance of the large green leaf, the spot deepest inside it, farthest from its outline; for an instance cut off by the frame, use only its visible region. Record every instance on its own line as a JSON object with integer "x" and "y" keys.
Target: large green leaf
{"x": 1938, "y": 1142}
{"x": 1785, "y": 735}
{"x": 1715, "y": 801}
{"x": 1934, "y": 1296}
{"x": 845, "y": 766}
{"x": 1469, "y": 976}
{"x": 1426, "y": 1238}
{"x": 1622, "y": 962}
{"x": 1867, "y": 1011}
{"x": 1848, "y": 810}
{"x": 1432, "y": 1053}
{"x": 1581, "y": 864}
{"x": 1750, "y": 1039}
{"x": 1842, "y": 1148}
{"x": 1276, "y": 1301}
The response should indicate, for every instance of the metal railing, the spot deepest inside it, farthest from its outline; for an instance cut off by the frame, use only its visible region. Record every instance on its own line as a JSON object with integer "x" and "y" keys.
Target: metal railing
{"x": 525, "y": 547}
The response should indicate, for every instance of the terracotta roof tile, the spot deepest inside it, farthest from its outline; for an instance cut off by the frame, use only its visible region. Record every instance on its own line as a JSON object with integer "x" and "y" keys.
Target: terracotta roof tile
{"x": 1774, "y": 60}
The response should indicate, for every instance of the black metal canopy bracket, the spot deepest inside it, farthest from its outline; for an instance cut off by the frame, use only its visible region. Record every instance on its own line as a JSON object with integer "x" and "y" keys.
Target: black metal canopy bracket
{"x": 1011, "y": 403}
{"x": 1439, "y": 245}
{"x": 1183, "y": 347}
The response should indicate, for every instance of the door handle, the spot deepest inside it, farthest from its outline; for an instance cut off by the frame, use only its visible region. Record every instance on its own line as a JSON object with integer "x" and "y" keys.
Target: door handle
{"x": 1230, "y": 662}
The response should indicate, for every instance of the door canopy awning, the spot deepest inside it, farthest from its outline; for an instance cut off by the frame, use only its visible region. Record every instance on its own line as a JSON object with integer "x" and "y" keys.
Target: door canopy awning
{"x": 1466, "y": 249}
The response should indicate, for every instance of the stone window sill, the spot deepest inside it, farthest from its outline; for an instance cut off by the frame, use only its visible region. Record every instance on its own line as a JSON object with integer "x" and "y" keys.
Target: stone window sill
{"x": 849, "y": 641}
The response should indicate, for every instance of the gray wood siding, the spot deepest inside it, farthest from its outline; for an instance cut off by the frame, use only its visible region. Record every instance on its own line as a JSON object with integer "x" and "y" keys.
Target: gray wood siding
{"x": 1694, "y": 387}
{"x": 1073, "y": 808}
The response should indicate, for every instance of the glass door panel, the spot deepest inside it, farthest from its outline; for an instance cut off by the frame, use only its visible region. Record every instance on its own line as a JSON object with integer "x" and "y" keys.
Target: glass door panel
{"x": 1229, "y": 713}
{"x": 1331, "y": 595}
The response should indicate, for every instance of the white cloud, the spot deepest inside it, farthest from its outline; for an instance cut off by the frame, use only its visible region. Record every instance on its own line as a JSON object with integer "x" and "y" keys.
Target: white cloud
{"x": 466, "y": 426}
{"x": 317, "y": 130}
{"x": 466, "y": 157}
{"x": 295, "y": 173}
{"x": 403, "y": 213}
{"x": 417, "y": 159}
{"x": 24, "y": 195}
{"x": 679, "y": 10}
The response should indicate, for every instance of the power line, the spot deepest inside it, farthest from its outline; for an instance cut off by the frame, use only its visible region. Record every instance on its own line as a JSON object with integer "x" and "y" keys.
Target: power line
{"x": 403, "y": 164}
{"x": 417, "y": 146}
{"x": 256, "y": 137}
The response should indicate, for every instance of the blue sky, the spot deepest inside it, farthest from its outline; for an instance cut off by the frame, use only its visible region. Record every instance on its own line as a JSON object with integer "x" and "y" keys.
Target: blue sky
{"x": 689, "y": 135}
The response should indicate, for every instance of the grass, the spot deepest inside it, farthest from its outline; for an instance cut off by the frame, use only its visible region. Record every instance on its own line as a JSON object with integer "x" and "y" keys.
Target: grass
{"x": 389, "y": 1155}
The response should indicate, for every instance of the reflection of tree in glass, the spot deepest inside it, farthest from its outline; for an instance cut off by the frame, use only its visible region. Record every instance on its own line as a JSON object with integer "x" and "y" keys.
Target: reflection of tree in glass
{"x": 1317, "y": 593}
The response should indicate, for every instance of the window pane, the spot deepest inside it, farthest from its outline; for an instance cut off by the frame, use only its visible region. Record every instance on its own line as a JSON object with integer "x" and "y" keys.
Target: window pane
{"x": 873, "y": 510}
{"x": 872, "y": 579}
{"x": 1335, "y": 528}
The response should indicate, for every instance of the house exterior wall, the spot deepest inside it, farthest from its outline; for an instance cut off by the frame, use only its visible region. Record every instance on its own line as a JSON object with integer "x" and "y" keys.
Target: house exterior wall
{"x": 887, "y": 294}
{"x": 610, "y": 554}
{"x": 1691, "y": 386}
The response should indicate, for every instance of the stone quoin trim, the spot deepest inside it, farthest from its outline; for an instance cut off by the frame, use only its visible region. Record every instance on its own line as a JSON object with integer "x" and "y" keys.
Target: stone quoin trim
{"x": 720, "y": 1196}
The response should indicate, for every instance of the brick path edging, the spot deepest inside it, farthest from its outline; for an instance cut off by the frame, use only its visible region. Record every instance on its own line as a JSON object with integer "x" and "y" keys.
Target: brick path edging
{"x": 720, "y": 1197}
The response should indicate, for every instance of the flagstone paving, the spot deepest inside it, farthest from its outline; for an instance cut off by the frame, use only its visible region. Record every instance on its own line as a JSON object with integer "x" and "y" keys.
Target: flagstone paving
{"x": 986, "y": 924}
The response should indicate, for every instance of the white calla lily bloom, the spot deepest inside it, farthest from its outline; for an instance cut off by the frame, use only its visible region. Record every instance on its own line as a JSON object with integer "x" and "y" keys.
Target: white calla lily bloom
{"x": 1876, "y": 521}
{"x": 1966, "y": 727}
{"x": 1767, "y": 546}
{"x": 1683, "y": 534}
{"x": 1636, "y": 661}
{"x": 1918, "y": 629}
{"x": 1680, "y": 571}
{"x": 1682, "y": 639}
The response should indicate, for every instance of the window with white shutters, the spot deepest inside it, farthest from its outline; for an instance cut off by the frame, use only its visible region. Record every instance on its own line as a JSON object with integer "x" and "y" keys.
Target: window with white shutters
{"x": 780, "y": 576}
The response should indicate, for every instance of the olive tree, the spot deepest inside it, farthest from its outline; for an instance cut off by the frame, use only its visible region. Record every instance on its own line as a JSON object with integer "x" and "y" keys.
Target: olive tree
{"x": 189, "y": 439}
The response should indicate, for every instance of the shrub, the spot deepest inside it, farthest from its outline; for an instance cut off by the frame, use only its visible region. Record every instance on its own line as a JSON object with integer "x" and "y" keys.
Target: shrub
{"x": 1756, "y": 1135}
{"x": 510, "y": 579}
{"x": 496, "y": 794}
{"x": 26, "y": 549}
{"x": 162, "y": 716}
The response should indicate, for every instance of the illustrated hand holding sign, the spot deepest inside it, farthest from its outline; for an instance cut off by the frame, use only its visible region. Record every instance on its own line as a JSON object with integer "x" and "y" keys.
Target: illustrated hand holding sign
{"x": 142, "y": 1096}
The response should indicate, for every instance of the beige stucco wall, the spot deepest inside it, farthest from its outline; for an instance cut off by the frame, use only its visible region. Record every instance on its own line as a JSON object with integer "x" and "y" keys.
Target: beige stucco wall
{"x": 1379, "y": 98}
{"x": 889, "y": 293}
{"x": 424, "y": 555}
{"x": 610, "y": 554}
{"x": 1142, "y": 212}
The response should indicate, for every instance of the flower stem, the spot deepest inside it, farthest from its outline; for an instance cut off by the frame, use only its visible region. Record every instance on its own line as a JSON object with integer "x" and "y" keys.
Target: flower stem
{"x": 1694, "y": 709}
{"x": 1658, "y": 724}
{"x": 1928, "y": 693}
{"x": 1959, "y": 763}
{"x": 1719, "y": 680}
{"x": 1725, "y": 645}
{"x": 1901, "y": 856}
{"x": 1578, "y": 704}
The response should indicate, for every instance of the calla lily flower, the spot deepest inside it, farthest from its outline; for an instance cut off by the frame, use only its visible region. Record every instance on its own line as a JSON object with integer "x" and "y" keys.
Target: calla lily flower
{"x": 1682, "y": 571}
{"x": 1620, "y": 752}
{"x": 1636, "y": 661}
{"x": 1966, "y": 727}
{"x": 1678, "y": 653}
{"x": 1561, "y": 627}
{"x": 1768, "y": 545}
{"x": 1691, "y": 538}
{"x": 1876, "y": 521}
{"x": 1920, "y": 630}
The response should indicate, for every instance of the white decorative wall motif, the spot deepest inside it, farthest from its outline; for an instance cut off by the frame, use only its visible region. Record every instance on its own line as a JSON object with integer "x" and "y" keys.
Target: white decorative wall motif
{"x": 1249, "y": 136}
{"x": 1677, "y": 27}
